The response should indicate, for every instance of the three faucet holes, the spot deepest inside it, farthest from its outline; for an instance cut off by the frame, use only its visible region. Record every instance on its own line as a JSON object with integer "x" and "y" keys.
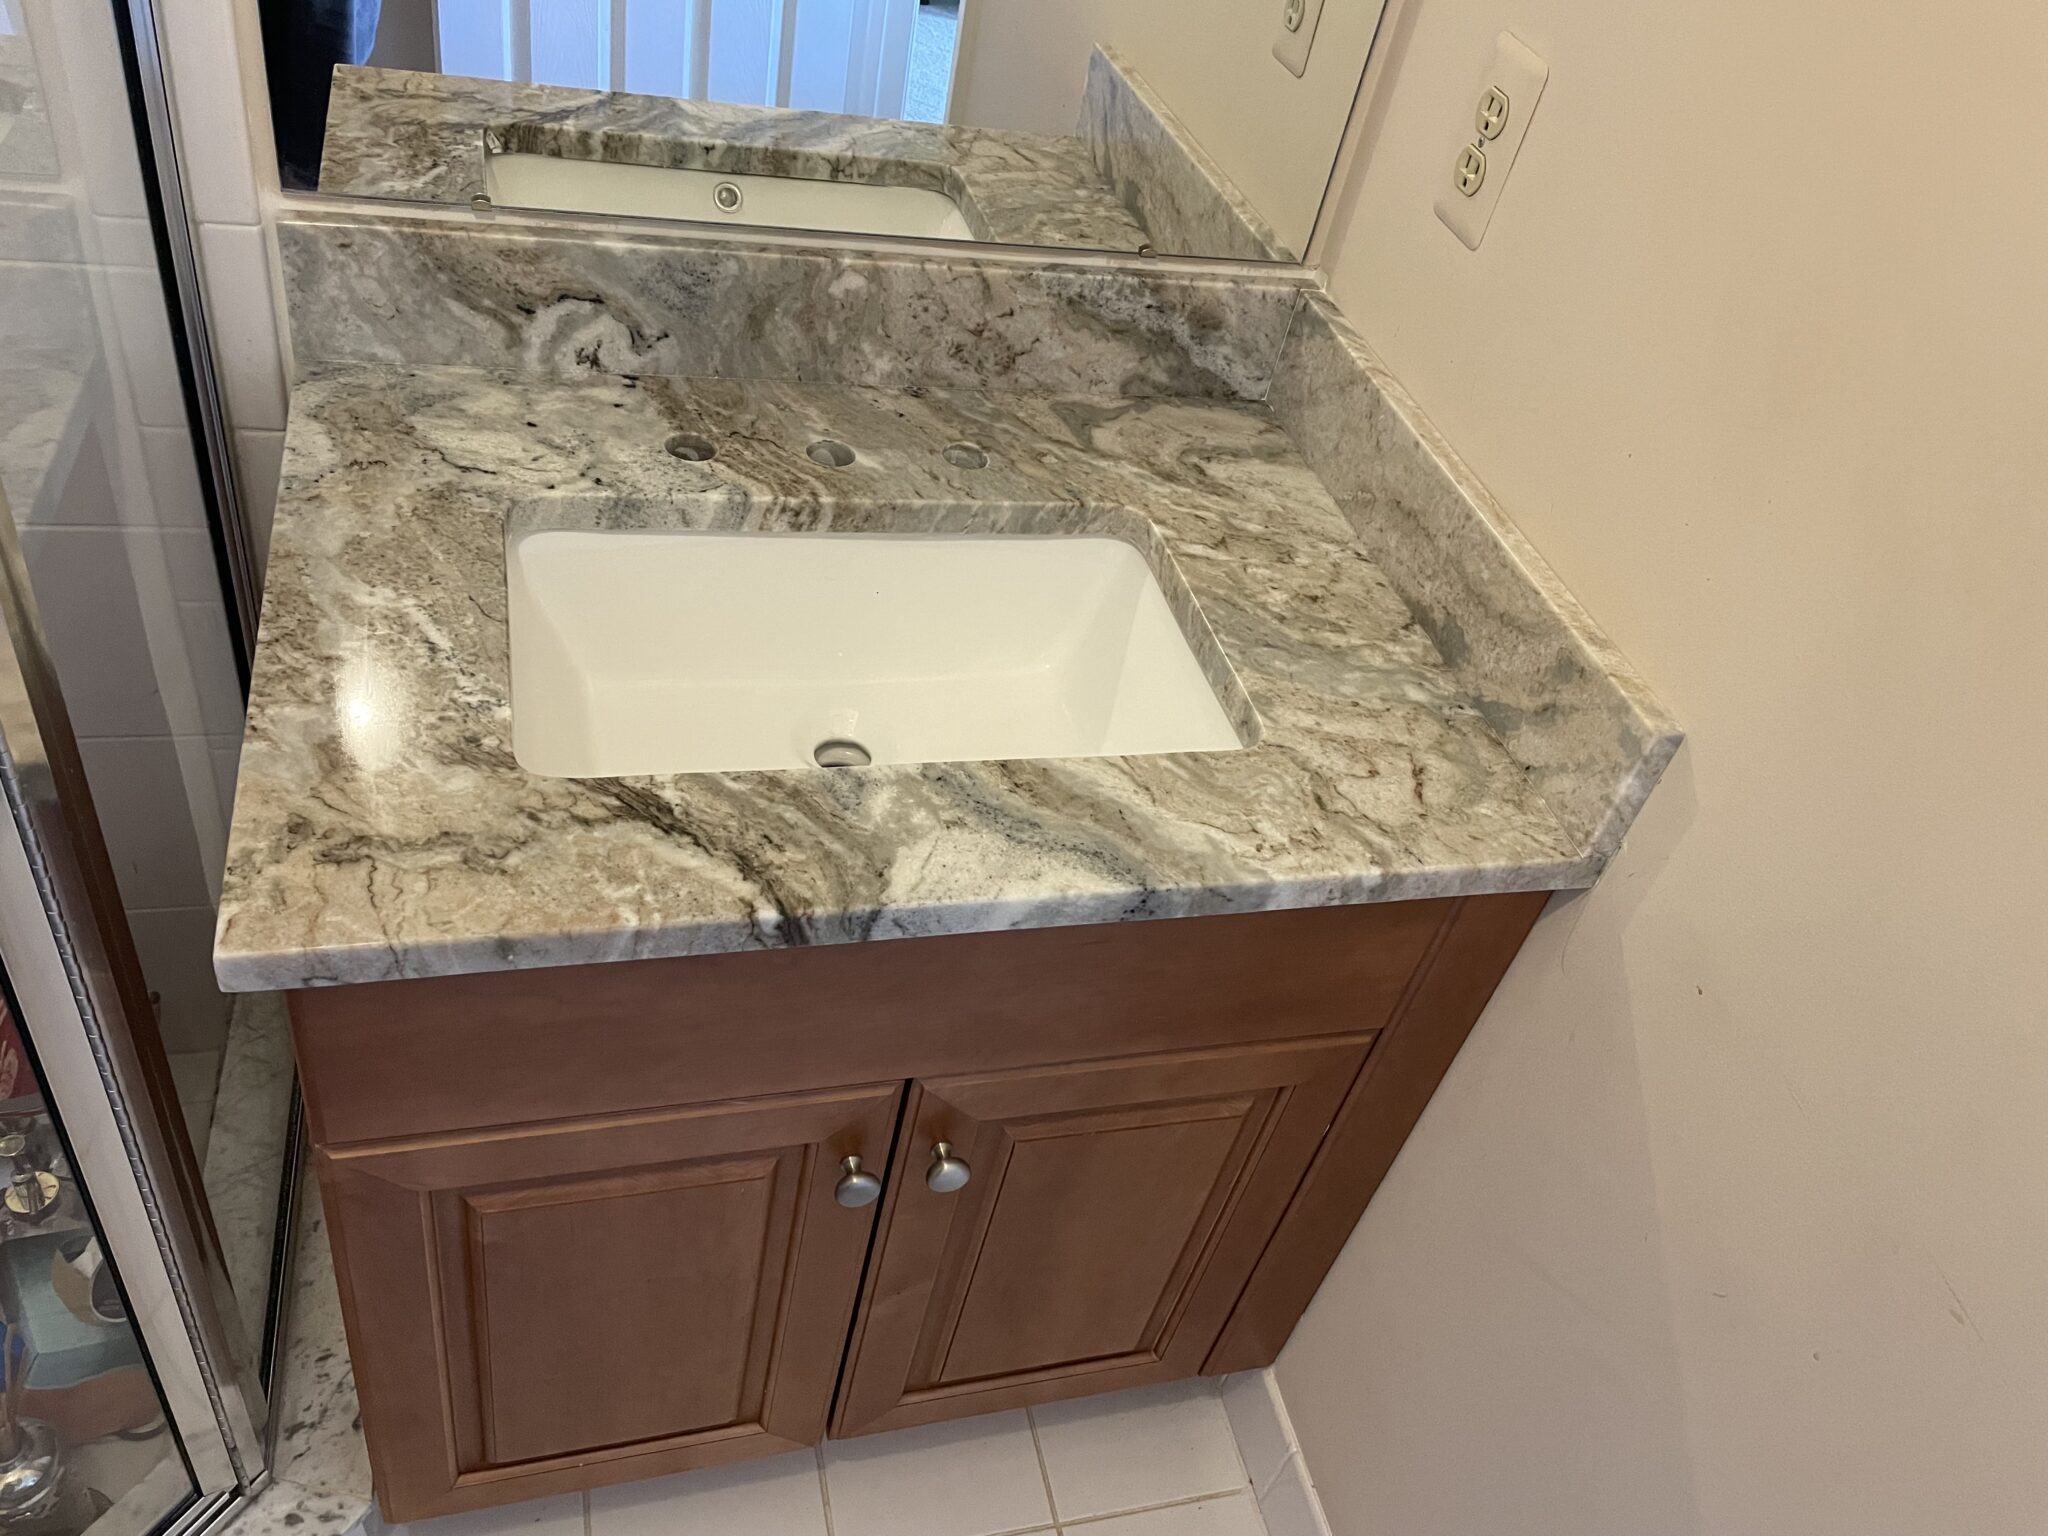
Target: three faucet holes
{"x": 694, "y": 448}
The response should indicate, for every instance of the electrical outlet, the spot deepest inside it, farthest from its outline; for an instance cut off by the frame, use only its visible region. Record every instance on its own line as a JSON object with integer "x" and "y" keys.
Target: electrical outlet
{"x": 1298, "y": 20}
{"x": 1471, "y": 173}
{"x": 1505, "y": 99}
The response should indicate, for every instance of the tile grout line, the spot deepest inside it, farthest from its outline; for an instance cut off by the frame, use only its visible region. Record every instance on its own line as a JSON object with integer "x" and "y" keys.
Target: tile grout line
{"x": 824, "y": 1485}
{"x": 1146, "y": 1509}
{"x": 1052, "y": 1504}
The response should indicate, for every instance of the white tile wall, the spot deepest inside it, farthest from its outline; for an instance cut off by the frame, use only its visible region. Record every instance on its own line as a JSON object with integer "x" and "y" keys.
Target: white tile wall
{"x": 226, "y": 752}
{"x": 214, "y": 51}
{"x": 173, "y": 473}
{"x": 136, "y": 297}
{"x": 84, "y": 39}
{"x": 258, "y": 455}
{"x": 85, "y": 587}
{"x": 237, "y": 264}
{"x": 124, "y": 241}
{"x": 199, "y": 41}
{"x": 139, "y": 790}
{"x": 175, "y": 946}
{"x": 212, "y": 657}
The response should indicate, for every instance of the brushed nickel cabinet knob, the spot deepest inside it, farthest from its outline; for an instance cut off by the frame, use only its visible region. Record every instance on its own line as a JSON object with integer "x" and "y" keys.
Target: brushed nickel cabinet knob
{"x": 947, "y": 1172}
{"x": 856, "y": 1186}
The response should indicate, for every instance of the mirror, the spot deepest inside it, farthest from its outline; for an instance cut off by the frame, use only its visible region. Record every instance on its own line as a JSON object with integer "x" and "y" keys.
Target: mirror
{"x": 1161, "y": 127}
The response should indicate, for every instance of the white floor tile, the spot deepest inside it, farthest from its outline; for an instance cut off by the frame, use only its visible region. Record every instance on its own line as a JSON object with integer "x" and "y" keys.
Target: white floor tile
{"x": 972, "y": 1477}
{"x": 1234, "y": 1514}
{"x": 1131, "y": 1449}
{"x": 561, "y": 1515}
{"x": 777, "y": 1496}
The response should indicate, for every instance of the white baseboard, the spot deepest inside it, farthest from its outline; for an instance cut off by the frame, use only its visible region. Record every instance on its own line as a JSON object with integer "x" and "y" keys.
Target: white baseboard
{"x": 1272, "y": 1456}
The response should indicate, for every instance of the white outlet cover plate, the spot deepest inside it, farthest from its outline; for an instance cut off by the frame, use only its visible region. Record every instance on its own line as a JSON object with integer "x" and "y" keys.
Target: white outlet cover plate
{"x": 1516, "y": 71}
{"x": 1292, "y": 48}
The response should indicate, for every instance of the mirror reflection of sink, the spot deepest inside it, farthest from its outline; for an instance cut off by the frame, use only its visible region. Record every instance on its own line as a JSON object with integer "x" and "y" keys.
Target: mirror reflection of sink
{"x": 688, "y": 652}
{"x": 665, "y": 192}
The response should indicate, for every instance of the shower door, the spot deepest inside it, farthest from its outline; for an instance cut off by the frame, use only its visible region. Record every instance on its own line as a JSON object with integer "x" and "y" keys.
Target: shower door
{"x": 143, "y": 1113}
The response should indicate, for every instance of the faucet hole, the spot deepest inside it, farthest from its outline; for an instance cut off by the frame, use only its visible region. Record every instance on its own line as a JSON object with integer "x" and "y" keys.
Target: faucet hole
{"x": 829, "y": 452}
{"x": 691, "y": 448}
{"x": 964, "y": 455}
{"x": 840, "y": 753}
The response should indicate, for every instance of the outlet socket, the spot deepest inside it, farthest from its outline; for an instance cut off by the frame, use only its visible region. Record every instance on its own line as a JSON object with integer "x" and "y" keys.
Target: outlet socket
{"x": 1298, "y": 20}
{"x": 1493, "y": 121}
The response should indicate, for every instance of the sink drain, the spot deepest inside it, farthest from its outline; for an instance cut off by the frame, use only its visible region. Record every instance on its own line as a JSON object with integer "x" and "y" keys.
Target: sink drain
{"x": 840, "y": 753}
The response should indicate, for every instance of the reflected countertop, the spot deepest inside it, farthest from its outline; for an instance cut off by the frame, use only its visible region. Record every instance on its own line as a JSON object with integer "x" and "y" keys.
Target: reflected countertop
{"x": 383, "y": 828}
{"x": 425, "y": 137}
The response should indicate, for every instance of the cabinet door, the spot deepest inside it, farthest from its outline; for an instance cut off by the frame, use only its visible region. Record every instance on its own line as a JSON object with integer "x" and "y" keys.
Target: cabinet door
{"x": 1111, "y": 1214}
{"x": 547, "y": 1307}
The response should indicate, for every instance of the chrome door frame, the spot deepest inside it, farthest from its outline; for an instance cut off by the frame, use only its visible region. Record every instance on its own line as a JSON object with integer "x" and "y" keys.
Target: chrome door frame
{"x": 65, "y": 941}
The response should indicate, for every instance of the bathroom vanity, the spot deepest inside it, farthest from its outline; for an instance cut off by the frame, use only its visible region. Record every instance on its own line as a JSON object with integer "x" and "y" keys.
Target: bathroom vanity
{"x": 678, "y": 1098}
{"x": 599, "y": 1223}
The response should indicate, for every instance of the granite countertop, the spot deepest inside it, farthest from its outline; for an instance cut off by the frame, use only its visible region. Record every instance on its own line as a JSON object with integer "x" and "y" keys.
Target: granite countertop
{"x": 422, "y": 137}
{"x": 383, "y": 829}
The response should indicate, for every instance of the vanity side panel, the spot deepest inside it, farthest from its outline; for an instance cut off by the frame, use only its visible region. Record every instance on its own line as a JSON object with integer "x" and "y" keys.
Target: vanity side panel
{"x": 1449, "y": 992}
{"x": 407, "y": 1058}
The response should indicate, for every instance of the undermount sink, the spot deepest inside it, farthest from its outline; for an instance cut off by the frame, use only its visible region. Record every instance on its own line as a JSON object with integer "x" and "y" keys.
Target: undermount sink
{"x": 665, "y": 192}
{"x": 700, "y": 652}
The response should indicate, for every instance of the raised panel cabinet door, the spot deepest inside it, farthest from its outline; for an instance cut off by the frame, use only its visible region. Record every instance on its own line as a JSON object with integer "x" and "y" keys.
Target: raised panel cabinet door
{"x": 1109, "y": 1216}
{"x": 547, "y": 1307}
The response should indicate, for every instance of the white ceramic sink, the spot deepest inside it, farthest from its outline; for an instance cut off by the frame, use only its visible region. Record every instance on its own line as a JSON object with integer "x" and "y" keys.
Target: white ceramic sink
{"x": 661, "y": 192}
{"x": 681, "y": 652}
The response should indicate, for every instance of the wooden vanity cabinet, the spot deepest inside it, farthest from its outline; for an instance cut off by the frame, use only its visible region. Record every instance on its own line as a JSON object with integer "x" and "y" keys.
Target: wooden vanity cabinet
{"x": 596, "y": 1224}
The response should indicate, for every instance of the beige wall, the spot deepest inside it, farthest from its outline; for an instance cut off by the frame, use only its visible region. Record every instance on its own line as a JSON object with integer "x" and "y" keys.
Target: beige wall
{"x": 1733, "y": 1215}
{"x": 1022, "y": 64}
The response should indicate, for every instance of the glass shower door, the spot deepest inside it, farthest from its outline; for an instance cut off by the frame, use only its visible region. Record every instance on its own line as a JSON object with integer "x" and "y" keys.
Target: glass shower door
{"x": 141, "y": 1110}
{"x": 84, "y": 1434}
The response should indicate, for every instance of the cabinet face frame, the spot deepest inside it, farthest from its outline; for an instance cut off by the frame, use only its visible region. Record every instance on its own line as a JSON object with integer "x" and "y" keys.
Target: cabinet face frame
{"x": 407, "y": 1220}
{"x": 961, "y": 1315}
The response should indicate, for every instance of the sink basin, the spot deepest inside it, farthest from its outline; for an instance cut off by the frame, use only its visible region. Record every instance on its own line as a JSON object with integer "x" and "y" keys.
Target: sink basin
{"x": 663, "y": 192}
{"x": 688, "y": 652}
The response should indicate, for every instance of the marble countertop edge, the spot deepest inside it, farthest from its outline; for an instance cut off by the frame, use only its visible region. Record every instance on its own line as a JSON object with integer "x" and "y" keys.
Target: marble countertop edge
{"x": 334, "y": 963}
